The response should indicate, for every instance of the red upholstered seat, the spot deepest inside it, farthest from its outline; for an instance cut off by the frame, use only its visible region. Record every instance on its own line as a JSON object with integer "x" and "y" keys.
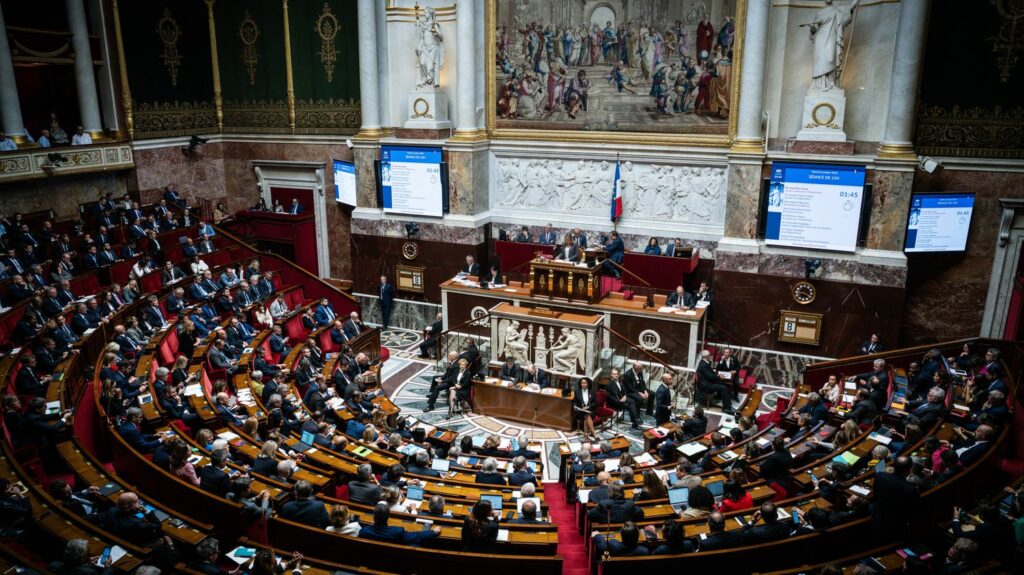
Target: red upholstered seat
{"x": 602, "y": 412}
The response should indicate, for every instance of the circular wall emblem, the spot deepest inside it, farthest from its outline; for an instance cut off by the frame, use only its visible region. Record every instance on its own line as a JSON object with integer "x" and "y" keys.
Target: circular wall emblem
{"x": 477, "y": 313}
{"x": 420, "y": 108}
{"x": 650, "y": 340}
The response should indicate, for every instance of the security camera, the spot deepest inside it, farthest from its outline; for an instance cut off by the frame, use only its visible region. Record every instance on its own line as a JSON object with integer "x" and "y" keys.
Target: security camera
{"x": 193, "y": 145}
{"x": 348, "y": 142}
{"x": 811, "y": 266}
{"x": 412, "y": 229}
{"x": 930, "y": 165}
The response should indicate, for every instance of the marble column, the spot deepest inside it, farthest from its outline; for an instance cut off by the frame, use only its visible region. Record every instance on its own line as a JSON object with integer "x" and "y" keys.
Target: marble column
{"x": 906, "y": 74}
{"x": 465, "y": 116}
{"x": 755, "y": 52}
{"x": 10, "y": 105}
{"x": 369, "y": 93}
{"x": 85, "y": 76}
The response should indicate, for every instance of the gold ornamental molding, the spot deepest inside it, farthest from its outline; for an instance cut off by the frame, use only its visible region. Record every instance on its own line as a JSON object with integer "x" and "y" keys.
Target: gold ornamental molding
{"x": 326, "y": 26}
{"x": 169, "y": 31}
{"x": 38, "y": 163}
{"x": 970, "y": 132}
{"x": 126, "y": 93}
{"x": 167, "y": 119}
{"x": 249, "y": 32}
{"x": 601, "y": 137}
{"x": 1009, "y": 42}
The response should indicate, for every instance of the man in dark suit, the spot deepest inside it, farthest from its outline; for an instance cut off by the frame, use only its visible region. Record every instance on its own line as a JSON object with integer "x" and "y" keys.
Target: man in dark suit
{"x": 872, "y": 345}
{"x": 627, "y": 545}
{"x": 877, "y": 370}
{"x": 928, "y": 411}
{"x": 711, "y": 383}
{"x": 895, "y": 498}
{"x": 442, "y": 382}
{"x": 704, "y": 293}
{"x": 386, "y": 293}
{"x": 521, "y": 474}
{"x": 616, "y": 398}
{"x": 616, "y": 251}
{"x": 131, "y": 431}
{"x": 697, "y": 424}
{"x": 296, "y": 207}
{"x": 636, "y": 388}
{"x": 488, "y": 473}
{"x": 365, "y": 488}
{"x": 864, "y": 410}
{"x": 815, "y": 408}
{"x": 615, "y": 509}
{"x": 534, "y": 374}
{"x": 381, "y": 531}
{"x": 354, "y": 325}
{"x": 680, "y": 299}
{"x": 28, "y": 382}
{"x": 471, "y": 268}
{"x": 421, "y": 465}
{"x": 770, "y": 530}
{"x": 579, "y": 239}
{"x": 123, "y": 520}
{"x": 433, "y": 331}
{"x": 510, "y": 371}
{"x": 777, "y": 465}
{"x": 601, "y": 492}
{"x": 982, "y": 442}
{"x": 213, "y": 477}
{"x": 718, "y": 537}
{"x": 305, "y": 508}
{"x": 548, "y": 237}
{"x": 663, "y": 400}
{"x": 18, "y": 290}
{"x": 729, "y": 363}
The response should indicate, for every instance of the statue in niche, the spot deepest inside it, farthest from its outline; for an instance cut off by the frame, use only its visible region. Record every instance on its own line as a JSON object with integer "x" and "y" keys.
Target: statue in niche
{"x": 827, "y": 43}
{"x": 429, "y": 49}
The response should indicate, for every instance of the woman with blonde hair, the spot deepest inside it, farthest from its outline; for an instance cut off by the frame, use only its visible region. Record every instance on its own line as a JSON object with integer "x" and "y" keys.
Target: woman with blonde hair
{"x": 343, "y": 522}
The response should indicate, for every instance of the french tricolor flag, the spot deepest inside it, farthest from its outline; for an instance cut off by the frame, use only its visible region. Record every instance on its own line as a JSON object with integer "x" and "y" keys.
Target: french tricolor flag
{"x": 616, "y": 207}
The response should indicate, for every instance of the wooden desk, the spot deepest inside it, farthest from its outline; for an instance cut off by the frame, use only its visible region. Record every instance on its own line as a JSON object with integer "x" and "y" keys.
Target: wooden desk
{"x": 561, "y": 279}
{"x": 509, "y": 402}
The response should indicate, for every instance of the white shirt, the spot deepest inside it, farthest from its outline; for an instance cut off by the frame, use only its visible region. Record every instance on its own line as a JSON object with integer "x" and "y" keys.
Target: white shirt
{"x": 81, "y": 139}
{"x": 7, "y": 145}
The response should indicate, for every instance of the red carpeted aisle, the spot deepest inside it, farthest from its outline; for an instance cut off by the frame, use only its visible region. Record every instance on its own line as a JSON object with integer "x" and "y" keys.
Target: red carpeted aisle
{"x": 570, "y": 542}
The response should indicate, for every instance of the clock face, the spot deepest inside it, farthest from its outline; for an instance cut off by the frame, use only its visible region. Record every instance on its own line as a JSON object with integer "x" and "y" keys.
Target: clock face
{"x": 804, "y": 293}
{"x": 410, "y": 250}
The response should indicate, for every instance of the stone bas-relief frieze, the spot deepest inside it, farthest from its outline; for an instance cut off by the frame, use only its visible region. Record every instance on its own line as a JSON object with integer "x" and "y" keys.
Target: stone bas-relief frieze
{"x": 581, "y": 187}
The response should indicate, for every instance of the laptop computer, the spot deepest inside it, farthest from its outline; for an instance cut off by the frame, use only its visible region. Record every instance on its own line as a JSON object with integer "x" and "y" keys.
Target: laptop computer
{"x": 678, "y": 497}
{"x": 414, "y": 492}
{"x": 495, "y": 501}
{"x": 305, "y": 443}
{"x": 716, "y": 488}
{"x": 442, "y": 465}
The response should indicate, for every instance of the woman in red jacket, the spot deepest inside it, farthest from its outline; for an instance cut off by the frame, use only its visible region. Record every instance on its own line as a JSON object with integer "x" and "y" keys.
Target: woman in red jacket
{"x": 735, "y": 498}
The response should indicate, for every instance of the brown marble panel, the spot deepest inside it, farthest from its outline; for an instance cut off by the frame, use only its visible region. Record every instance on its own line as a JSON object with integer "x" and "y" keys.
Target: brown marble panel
{"x": 890, "y": 201}
{"x": 957, "y": 283}
{"x": 422, "y": 134}
{"x": 199, "y": 174}
{"x": 465, "y": 180}
{"x": 795, "y": 146}
{"x": 747, "y": 306}
{"x": 366, "y": 183}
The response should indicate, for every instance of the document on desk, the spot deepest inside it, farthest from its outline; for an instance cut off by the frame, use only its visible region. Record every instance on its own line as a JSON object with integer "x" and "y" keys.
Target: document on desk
{"x": 503, "y": 535}
{"x": 691, "y": 449}
{"x": 644, "y": 460}
{"x": 583, "y": 495}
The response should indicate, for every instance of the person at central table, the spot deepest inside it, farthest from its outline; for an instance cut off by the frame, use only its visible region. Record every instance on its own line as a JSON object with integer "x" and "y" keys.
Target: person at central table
{"x": 568, "y": 251}
{"x": 510, "y": 371}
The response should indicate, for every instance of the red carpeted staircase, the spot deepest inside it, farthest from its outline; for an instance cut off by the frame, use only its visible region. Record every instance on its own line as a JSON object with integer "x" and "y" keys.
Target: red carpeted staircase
{"x": 609, "y": 283}
{"x": 570, "y": 542}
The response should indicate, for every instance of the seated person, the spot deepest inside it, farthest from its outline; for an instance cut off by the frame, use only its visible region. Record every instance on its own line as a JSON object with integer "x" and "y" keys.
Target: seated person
{"x": 488, "y": 473}
{"x": 627, "y": 545}
{"x": 381, "y": 531}
{"x": 510, "y": 371}
{"x": 305, "y": 508}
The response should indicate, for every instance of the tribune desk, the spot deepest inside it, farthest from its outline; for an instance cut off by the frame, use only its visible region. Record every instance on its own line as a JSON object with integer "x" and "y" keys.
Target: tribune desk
{"x": 671, "y": 336}
{"x": 506, "y": 400}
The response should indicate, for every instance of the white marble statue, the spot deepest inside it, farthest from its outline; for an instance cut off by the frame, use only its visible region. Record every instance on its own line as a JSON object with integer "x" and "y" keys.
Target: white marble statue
{"x": 429, "y": 49}
{"x": 515, "y": 344}
{"x": 828, "y": 43}
{"x": 567, "y": 355}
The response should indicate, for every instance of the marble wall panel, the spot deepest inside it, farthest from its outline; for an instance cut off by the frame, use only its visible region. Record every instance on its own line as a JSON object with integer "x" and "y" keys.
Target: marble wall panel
{"x": 414, "y": 315}
{"x": 393, "y": 228}
{"x": 890, "y": 201}
{"x": 741, "y": 206}
{"x": 366, "y": 182}
{"x": 373, "y": 255}
{"x": 747, "y": 307}
{"x": 939, "y": 285}
{"x": 199, "y": 174}
{"x": 61, "y": 194}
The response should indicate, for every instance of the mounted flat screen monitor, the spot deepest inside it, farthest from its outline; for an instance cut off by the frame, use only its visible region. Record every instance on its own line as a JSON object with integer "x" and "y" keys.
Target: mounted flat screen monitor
{"x": 814, "y": 206}
{"x": 938, "y": 222}
{"x": 345, "y": 183}
{"x": 411, "y": 181}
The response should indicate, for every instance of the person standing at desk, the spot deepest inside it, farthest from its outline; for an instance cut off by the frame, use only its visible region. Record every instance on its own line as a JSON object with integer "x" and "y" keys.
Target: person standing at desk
{"x": 386, "y": 301}
{"x": 663, "y": 400}
{"x": 616, "y": 251}
{"x": 584, "y": 402}
{"x": 728, "y": 363}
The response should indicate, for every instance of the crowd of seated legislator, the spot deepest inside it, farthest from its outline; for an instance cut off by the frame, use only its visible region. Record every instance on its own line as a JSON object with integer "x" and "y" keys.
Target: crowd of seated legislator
{"x": 271, "y": 408}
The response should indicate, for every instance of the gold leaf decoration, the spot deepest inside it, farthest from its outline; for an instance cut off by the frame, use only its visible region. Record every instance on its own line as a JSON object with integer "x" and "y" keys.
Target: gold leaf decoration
{"x": 249, "y": 32}
{"x": 326, "y": 27}
{"x": 169, "y": 31}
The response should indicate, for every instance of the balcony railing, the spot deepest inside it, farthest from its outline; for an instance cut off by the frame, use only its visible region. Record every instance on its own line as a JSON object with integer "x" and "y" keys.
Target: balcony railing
{"x": 33, "y": 163}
